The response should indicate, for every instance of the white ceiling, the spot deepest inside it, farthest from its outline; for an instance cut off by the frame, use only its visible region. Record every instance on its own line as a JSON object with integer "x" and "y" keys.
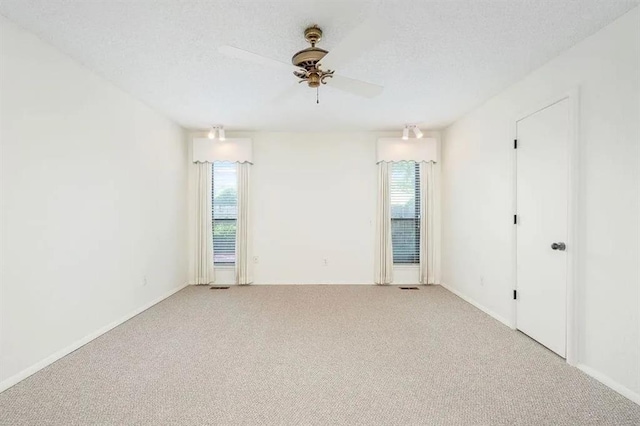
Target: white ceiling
{"x": 441, "y": 59}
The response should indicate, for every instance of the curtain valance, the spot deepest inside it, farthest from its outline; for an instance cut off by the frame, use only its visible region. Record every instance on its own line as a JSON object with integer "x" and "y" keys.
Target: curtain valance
{"x": 396, "y": 149}
{"x": 233, "y": 150}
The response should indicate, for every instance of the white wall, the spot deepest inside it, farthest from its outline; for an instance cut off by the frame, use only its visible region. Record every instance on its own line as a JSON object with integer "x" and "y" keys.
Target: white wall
{"x": 313, "y": 197}
{"x": 93, "y": 201}
{"x": 478, "y": 197}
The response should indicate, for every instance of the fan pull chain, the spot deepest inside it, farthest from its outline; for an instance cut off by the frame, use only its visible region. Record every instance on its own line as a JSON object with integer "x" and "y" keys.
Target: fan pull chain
{"x": 317, "y": 95}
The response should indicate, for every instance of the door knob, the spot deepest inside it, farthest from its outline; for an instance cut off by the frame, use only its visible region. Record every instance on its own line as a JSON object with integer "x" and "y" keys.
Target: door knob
{"x": 559, "y": 246}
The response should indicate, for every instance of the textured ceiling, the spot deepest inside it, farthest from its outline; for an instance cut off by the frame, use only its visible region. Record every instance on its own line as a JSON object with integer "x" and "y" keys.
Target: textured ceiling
{"x": 440, "y": 59}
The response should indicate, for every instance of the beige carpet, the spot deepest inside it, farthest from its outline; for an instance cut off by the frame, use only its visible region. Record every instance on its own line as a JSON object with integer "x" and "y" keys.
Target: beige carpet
{"x": 313, "y": 355}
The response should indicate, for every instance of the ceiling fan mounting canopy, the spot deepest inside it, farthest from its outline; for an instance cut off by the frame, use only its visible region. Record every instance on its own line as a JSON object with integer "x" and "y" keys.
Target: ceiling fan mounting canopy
{"x": 307, "y": 59}
{"x": 313, "y": 34}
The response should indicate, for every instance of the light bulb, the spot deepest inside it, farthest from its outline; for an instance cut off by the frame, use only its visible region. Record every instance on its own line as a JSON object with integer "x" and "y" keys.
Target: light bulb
{"x": 212, "y": 133}
{"x": 405, "y": 134}
{"x": 221, "y": 134}
{"x": 417, "y": 132}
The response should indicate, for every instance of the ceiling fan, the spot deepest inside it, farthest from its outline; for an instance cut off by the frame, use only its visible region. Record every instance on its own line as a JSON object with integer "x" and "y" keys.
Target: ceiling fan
{"x": 315, "y": 66}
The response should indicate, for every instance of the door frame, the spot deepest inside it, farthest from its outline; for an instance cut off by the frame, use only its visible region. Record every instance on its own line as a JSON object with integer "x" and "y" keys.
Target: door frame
{"x": 573, "y": 180}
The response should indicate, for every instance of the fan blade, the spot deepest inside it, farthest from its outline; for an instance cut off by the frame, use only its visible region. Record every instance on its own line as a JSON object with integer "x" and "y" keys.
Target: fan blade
{"x": 245, "y": 55}
{"x": 363, "y": 37}
{"x": 286, "y": 95}
{"x": 357, "y": 87}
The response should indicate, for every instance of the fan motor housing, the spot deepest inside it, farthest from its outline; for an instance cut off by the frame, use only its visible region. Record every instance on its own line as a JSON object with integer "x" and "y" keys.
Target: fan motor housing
{"x": 308, "y": 58}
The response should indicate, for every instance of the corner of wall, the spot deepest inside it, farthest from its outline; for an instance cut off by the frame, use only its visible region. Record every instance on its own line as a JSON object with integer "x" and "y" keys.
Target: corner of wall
{"x": 484, "y": 309}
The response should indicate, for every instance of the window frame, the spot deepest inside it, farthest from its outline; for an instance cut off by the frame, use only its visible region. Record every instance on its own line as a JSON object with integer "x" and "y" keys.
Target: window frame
{"x": 215, "y": 220}
{"x": 415, "y": 259}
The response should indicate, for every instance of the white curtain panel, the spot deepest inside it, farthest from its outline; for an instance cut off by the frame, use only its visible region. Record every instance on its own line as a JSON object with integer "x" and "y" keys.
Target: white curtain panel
{"x": 243, "y": 255}
{"x": 204, "y": 273}
{"x": 383, "y": 252}
{"x": 427, "y": 228}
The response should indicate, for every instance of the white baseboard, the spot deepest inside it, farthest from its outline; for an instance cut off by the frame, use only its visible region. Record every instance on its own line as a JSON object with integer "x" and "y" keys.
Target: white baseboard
{"x": 608, "y": 381}
{"x": 7, "y": 383}
{"x": 479, "y": 306}
{"x": 336, "y": 283}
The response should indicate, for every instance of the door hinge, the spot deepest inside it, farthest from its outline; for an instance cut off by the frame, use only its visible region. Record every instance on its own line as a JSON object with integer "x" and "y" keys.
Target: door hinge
{"x": 515, "y": 219}
{"x": 515, "y": 294}
{"x": 515, "y": 144}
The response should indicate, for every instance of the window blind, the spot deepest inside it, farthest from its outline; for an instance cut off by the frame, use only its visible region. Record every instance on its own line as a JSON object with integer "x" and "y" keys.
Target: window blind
{"x": 224, "y": 201}
{"x": 404, "y": 193}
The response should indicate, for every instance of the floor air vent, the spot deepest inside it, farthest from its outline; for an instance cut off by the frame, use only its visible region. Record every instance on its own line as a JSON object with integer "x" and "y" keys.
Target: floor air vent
{"x": 219, "y": 288}
{"x": 409, "y": 288}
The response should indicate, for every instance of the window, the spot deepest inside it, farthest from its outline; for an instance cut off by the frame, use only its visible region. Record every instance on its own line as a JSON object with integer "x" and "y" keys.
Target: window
{"x": 224, "y": 200}
{"x": 404, "y": 189}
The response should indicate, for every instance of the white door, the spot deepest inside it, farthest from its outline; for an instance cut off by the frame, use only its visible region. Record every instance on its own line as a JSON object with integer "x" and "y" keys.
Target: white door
{"x": 542, "y": 206}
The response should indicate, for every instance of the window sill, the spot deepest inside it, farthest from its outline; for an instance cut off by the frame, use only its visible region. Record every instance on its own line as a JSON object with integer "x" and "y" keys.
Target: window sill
{"x": 224, "y": 267}
{"x": 406, "y": 266}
